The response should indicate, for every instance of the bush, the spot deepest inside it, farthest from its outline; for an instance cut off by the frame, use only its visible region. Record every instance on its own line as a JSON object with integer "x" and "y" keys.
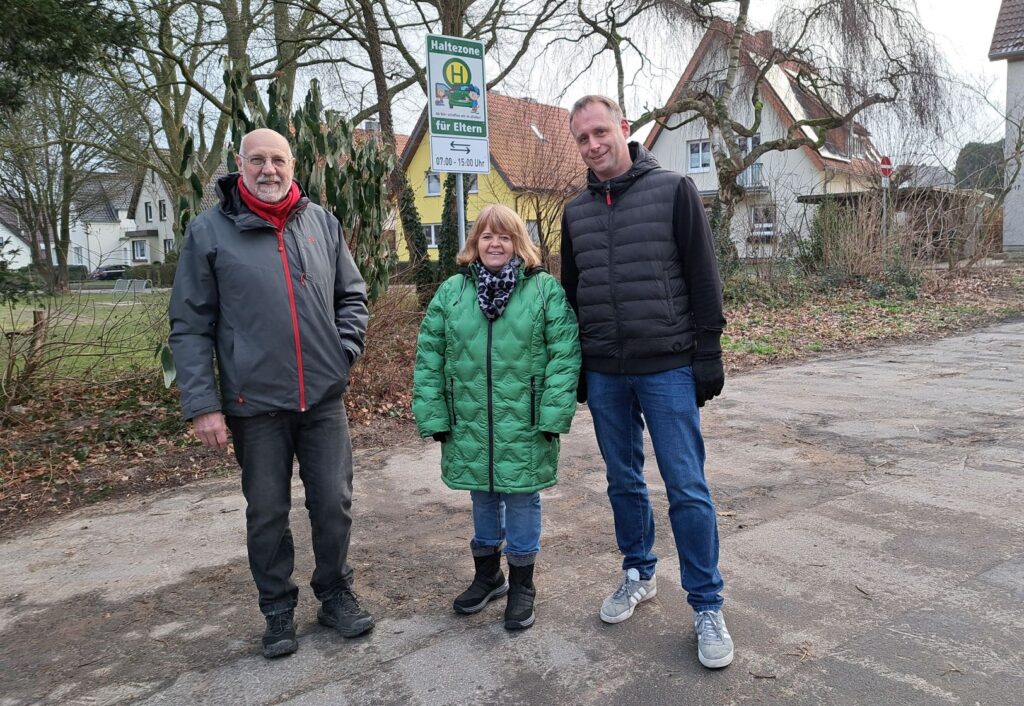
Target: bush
{"x": 159, "y": 275}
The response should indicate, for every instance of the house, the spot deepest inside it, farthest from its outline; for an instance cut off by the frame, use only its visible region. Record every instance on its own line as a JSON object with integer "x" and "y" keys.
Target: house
{"x": 151, "y": 236}
{"x": 1008, "y": 45}
{"x": 847, "y": 162}
{"x": 101, "y": 212}
{"x": 15, "y": 252}
{"x": 535, "y": 169}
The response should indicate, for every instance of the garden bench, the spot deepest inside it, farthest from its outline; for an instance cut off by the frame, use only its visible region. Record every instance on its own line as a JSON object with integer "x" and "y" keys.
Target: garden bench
{"x": 124, "y": 287}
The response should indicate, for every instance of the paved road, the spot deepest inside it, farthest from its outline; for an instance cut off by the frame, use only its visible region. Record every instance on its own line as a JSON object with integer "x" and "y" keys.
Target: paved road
{"x": 872, "y": 522}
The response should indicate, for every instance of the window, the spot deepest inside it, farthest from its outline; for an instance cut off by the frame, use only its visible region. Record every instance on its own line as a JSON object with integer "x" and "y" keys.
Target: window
{"x": 433, "y": 184}
{"x": 168, "y": 246}
{"x": 533, "y": 230}
{"x": 163, "y": 210}
{"x": 762, "y": 225}
{"x": 149, "y": 212}
{"x": 152, "y": 177}
{"x": 719, "y": 88}
{"x": 139, "y": 249}
{"x": 432, "y": 233}
{"x": 700, "y": 155}
{"x": 747, "y": 144}
{"x": 77, "y": 255}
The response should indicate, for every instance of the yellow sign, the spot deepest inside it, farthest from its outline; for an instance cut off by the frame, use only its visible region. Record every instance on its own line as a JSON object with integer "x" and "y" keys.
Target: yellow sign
{"x": 456, "y": 71}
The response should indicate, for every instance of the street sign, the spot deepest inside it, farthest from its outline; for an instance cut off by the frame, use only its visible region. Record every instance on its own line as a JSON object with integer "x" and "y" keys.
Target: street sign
{"x": 457, "y": 105}
{"x": 886, "y": 167}
{"x": 456, "y": 154}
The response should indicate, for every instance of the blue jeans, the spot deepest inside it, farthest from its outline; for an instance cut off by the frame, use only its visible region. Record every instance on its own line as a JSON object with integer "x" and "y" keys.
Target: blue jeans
{"x": 265, "y": 446}
{"x": 511, "y": 517}
{"x": 620, "y": 404}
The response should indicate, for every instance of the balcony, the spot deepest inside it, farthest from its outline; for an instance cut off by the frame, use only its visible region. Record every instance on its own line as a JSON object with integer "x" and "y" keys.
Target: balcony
{"x": 750, "y": 178}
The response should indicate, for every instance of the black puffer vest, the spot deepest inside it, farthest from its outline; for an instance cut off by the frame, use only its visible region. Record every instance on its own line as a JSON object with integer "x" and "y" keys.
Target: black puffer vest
{"x": 634, "y": 310}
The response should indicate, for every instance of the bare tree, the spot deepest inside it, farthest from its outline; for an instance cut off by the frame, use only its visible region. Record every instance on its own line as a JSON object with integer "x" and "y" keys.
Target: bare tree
{"x": 847, "y": 56}
{"x": 68, "y": 131}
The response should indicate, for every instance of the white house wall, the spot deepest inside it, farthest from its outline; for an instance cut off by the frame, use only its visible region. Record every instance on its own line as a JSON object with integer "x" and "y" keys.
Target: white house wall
{"x": 96, "y": 244}
{"x": 17, "y": 252}
{"x": 1013, "y": 206}
{"x": 153, "y": 191}
{"x": 785, "y": 175}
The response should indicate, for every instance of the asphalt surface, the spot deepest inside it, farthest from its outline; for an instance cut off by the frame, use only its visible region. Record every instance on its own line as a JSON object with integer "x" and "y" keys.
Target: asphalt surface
{"x": 872, "y": 540}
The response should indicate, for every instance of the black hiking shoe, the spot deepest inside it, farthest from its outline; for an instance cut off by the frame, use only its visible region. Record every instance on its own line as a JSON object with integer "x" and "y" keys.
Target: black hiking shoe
{"x": 488, "y": 583}
{"x": 279, "y": 638}
{"x": 343, "y": 613}
{"x": 519, "y": 613}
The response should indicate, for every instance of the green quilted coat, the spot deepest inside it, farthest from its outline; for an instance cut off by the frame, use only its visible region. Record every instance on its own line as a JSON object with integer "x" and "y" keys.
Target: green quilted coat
{"x": 495, "y": 386}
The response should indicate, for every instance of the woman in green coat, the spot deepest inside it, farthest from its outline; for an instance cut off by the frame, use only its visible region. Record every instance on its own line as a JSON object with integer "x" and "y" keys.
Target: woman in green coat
{"x": 497, "y": 363}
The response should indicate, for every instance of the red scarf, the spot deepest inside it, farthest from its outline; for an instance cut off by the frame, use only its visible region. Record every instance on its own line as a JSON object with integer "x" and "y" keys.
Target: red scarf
{"x": 275, "y": 213}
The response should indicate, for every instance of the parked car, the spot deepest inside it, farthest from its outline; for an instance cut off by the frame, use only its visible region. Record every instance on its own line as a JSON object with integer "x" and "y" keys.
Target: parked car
{"x": 109, "y": 272}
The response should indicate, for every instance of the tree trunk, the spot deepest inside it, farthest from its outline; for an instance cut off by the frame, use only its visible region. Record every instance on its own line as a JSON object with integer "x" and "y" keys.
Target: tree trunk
{"x": 399, "y": 190}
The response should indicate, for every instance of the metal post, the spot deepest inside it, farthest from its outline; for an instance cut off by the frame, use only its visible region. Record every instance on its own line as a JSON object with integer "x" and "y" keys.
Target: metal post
{"x": 885, "y": 209}
{"x": 460, "y": 201}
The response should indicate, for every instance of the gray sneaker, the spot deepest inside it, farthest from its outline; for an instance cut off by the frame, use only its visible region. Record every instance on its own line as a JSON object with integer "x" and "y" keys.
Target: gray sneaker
{"x": 714, "y": 645}
{"x": 619, "y": 606}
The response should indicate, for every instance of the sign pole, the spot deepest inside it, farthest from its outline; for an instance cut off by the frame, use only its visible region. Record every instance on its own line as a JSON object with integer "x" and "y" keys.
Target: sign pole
{"x": 460, "y": 201}
{"x": 886, "y": 169}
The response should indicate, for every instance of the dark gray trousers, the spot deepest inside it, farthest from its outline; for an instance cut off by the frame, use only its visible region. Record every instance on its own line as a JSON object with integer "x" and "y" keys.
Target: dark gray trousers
{"x": 265, "y": 446}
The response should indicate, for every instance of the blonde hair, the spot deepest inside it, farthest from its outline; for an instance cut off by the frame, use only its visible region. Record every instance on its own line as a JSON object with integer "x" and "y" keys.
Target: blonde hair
{"x": 501, "y": 219}
{"x": 613, "y": 108}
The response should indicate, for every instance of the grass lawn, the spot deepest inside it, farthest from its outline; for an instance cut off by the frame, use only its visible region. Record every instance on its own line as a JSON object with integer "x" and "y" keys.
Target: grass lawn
{"x": 93, "y": 336}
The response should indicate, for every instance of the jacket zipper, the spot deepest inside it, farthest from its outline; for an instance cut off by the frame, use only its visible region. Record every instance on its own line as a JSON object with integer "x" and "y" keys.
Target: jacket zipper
{"x": 490, "y": 410}
{"x": 295, "y": 318}
{"x": 533, "y": 401}
{"x": 611, "y": 263}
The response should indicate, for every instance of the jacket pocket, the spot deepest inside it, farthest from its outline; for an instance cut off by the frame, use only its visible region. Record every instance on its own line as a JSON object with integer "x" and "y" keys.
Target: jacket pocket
{"x": 533, "y": 401}
{"x": 451, "y": 401}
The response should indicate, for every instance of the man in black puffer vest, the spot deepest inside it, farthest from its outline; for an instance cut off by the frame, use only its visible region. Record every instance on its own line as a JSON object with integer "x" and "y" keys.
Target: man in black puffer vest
{"x": 639, "y": 268}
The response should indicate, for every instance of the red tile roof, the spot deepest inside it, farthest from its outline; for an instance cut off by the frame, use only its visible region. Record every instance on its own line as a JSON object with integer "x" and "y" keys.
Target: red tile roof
{"x": 1008, "y": 37}
{"x": 530, "y": 144}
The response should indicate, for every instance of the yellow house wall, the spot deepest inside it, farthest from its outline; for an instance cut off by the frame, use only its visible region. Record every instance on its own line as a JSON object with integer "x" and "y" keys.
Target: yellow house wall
{"x": 492, "y": 189}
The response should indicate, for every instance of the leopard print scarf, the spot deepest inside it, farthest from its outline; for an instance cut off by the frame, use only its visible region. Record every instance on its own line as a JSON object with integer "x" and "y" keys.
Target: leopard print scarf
{"x": 494, "y": 289}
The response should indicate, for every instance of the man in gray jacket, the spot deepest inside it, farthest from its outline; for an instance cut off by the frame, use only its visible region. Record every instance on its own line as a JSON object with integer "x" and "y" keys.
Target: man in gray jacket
{"x": 639, "y": 268}
{"x": 266, "y": 284}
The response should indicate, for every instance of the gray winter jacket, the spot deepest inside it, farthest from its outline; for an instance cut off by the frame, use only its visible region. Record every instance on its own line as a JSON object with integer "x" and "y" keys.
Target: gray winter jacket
{"x": 285, "y": 312}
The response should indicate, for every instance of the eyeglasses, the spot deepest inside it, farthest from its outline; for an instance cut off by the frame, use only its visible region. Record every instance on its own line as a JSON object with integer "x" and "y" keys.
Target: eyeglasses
{"x": 259, "y": 161}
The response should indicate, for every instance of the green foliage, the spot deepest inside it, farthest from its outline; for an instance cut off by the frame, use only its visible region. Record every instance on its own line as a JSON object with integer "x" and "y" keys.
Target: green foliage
{"x": 832, "y": 220}
{"x": 416, "y": 240}
{"x": 448, "y": 239}
{"x": 980, "y": 165}
{"x": 160, "y": 274}
{"x": 725, "y": 249}
{"x": 345, "y": 176}
{"x": 191, "y": 199}
{"x": 14, "y": 286}
{"x": 42, "y": 38}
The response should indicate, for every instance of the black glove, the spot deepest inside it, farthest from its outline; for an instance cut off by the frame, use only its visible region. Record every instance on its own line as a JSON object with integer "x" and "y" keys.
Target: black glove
{"x": 709, "y": 376}
{"x": 441, "y": 436}
{"x": 549, "y": 436}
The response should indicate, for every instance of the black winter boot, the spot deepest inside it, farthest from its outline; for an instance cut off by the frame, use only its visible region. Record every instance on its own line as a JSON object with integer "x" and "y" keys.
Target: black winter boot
{"x": 519, "y": 613}
{"x": 279, "y": 638}
{"x": 488, "y": 583}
